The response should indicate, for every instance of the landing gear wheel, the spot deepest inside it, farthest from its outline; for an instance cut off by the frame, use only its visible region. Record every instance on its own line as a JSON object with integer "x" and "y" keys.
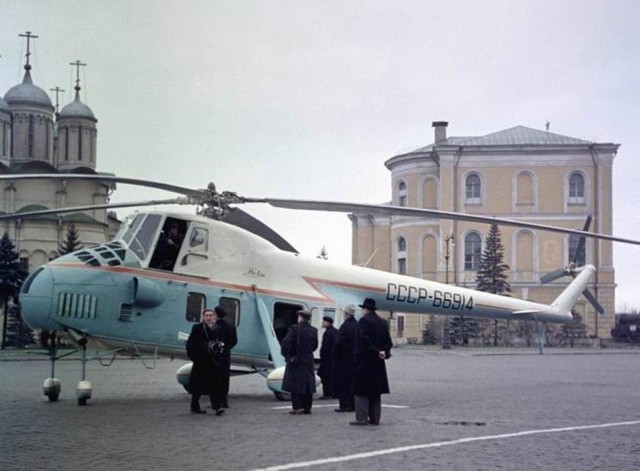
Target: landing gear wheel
{"x": 282, "y": 396}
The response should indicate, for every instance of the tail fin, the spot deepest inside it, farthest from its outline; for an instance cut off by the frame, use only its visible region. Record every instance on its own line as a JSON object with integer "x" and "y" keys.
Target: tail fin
{"x": 569, "y": 296}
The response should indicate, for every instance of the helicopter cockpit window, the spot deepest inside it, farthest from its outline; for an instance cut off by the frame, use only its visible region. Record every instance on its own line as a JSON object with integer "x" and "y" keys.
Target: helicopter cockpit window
{"x": 169, "y": 244}
{"x": 199, "y": 239}
{"x": 141, "y": 243}
{"x": 131, "y": 228}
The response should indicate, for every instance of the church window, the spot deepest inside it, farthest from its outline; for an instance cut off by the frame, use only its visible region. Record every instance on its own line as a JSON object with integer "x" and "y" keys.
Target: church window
{"x": 576, "y": 188}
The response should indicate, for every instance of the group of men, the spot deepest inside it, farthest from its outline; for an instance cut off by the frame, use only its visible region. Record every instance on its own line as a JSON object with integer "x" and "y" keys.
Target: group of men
{"x": 352, "y": 363}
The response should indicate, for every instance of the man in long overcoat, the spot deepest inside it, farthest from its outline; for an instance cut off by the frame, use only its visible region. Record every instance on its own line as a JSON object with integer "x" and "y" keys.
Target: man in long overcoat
{"x": 299, "y": 374}
{"x": 373, "y": 347}
{"x": 326, "y": 356}
{"x": 226, "y": 332}
{"x": 205, "y": 372}
{"x": 343, "y": 351}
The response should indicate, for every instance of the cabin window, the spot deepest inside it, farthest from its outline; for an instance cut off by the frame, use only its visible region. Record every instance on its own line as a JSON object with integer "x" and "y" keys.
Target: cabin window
{"x": 199, "y": 239}
{"x": 196, "y": 303}
{"x": 284, "y": 315}
{"x": 132, "y": 228}
{"x": 232, "y": 306}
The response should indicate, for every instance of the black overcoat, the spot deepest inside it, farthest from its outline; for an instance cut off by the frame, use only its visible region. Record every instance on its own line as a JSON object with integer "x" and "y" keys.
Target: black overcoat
{"x": 205, "y": 372}
{"x": 370, "y": 372}
{"x": 226, "y": 333}
{"x": 297, "y": 349}
{"x": 343, "y": 351}
{"x": 326, "y": 352}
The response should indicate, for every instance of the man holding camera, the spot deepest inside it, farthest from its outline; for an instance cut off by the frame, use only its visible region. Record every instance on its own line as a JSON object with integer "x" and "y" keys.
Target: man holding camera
{"x": 205, "y": 348}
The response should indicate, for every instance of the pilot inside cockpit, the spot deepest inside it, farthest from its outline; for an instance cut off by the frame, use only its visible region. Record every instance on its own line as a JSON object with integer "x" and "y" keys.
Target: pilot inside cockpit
{"x": 169, "y": 243}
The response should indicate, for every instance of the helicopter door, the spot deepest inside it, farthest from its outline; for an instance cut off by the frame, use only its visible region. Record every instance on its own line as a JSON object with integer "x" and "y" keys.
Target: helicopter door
{"x": 284, "y": 315}
{"x": 194, "y": 255}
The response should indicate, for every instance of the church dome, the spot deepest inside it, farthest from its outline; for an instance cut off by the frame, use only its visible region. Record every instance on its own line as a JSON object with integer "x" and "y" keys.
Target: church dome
{"x": 4, "y": 106}
{"x": 77, "y": 109}
{"x": 27, "y": 93}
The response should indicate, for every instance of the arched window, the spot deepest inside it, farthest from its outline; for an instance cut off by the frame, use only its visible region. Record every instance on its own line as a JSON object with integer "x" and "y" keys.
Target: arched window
{"x": 472, "y": 251}
{"x": 472, "y": 188}
{"x": 580, "y": 257}
{"x": 402, "y": 255}
{"x": 402, "y": 194}
{"x": 430, "y": 194}
{"x": 524, "y": 189}
{"x": 576, "y": 188}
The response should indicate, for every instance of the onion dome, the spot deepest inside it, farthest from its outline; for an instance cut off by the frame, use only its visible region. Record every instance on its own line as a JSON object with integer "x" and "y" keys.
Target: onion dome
{"x": 77, "y": 109}
{"x": 27, "y": 93}
{"x": 4, "y": 106}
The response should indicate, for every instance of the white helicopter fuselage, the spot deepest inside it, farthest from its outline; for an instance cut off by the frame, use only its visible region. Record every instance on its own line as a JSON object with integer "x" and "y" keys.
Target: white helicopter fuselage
{"x": 121, "y": 295}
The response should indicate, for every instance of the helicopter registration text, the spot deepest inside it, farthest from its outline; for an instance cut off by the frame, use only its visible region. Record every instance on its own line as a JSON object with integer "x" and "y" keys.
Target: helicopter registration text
{"x": 437, "y": 298}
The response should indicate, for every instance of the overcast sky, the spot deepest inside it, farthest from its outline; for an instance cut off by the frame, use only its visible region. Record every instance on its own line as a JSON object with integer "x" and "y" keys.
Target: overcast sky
{"x": 308, "y": 99}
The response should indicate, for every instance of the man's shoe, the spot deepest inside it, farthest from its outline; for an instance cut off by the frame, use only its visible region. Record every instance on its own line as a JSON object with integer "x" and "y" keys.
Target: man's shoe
{"x": 198, "y": 411}
{"x": 358, "y": 422}
{"x": 306, "y": 411}
{"x": 219, "y": 411}
{"x": 374, "y": 422}
{"x": 342, "y": 410}
{"x": 296, "y": 411}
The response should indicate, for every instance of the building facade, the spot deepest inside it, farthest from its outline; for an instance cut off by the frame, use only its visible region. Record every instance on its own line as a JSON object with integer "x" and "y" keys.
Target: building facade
{"x": 517, "y": 173}
{"x": 35, "y": 139}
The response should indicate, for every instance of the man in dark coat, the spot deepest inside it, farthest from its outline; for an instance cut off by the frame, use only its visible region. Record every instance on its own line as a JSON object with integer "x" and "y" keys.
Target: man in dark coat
{"x": 326, "y": 356}
{"x": 373, "y": 347}
{"x": 205, "y": 372}
{"x": 225, "y": 332}
{"x": 343, "y": 361}
{"x": 299, "y": 374}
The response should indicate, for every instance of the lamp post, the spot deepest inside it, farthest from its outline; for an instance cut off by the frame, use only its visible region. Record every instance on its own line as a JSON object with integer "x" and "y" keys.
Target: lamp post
{"x": 449, "y": 242}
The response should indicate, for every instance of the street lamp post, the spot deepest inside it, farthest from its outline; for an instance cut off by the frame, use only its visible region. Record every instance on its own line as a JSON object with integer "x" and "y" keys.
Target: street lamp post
{"x": 449, "y": 242}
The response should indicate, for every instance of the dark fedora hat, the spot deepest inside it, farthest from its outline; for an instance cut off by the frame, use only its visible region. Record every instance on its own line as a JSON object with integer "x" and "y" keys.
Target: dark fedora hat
{"x": 329, "y": 319}
{"x": 369, "y": 303}
{"x": 306, "y": 315}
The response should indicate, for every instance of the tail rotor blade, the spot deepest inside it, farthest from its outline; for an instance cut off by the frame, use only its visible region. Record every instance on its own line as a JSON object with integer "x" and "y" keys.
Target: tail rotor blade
{"x": 553, "y": 275}
{"x": 594, "y": 302}
{"x": 580, "y": 247}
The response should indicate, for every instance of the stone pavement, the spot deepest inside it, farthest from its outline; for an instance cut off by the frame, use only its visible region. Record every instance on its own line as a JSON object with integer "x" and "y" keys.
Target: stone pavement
{"x": 463, "y": 406}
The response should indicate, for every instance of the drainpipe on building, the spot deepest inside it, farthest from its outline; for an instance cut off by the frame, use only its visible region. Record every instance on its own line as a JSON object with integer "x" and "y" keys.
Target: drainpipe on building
{"x": 596, "y": 228}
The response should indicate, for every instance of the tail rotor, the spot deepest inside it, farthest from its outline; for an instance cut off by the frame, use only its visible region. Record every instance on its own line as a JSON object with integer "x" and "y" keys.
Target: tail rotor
{"x": 575, "y": 259}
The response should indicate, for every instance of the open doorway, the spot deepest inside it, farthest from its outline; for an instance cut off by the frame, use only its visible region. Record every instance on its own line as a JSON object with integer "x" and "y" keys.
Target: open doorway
{"x": 284, "y": 315}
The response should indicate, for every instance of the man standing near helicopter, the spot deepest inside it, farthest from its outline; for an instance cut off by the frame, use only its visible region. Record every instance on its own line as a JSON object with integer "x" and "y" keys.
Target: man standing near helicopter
{"x": 225, "y": 332}
{"x": 373, "y": 347}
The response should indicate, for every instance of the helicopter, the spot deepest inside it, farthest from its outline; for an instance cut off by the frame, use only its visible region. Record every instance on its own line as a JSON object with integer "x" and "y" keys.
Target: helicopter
{"x": 132, "y": 295}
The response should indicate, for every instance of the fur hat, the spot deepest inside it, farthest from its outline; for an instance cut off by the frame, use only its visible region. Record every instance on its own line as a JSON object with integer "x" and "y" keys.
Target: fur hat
{"x": 350, "y": 309}
{"x": 306, "y": 315}
{"x": 329, "y": 319}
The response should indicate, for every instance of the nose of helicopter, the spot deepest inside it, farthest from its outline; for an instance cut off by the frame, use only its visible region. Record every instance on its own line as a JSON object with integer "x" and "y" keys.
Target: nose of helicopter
{"x": 36, "y": 299}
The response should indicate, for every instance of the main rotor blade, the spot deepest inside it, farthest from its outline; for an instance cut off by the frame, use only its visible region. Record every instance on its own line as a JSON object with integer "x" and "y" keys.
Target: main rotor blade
{"x": 594, "y": 302}
{"x": 75, "y": 209}
{"x": 553, "y": 275}
{"x": 388, "y": 210}
{"x": 244, "y": 220}
{"x": 105, "y": 178}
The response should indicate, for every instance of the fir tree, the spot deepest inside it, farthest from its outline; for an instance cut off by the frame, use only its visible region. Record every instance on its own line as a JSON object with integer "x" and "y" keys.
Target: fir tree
{"x": 12, "y": 275}
{"x": 492, "y": 275}
{"x": 324, "y": 254}
{"x": 71, "y": 242}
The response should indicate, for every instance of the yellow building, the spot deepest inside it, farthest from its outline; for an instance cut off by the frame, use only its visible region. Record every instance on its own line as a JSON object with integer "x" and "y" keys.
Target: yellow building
{"x": 517, "y": 173}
